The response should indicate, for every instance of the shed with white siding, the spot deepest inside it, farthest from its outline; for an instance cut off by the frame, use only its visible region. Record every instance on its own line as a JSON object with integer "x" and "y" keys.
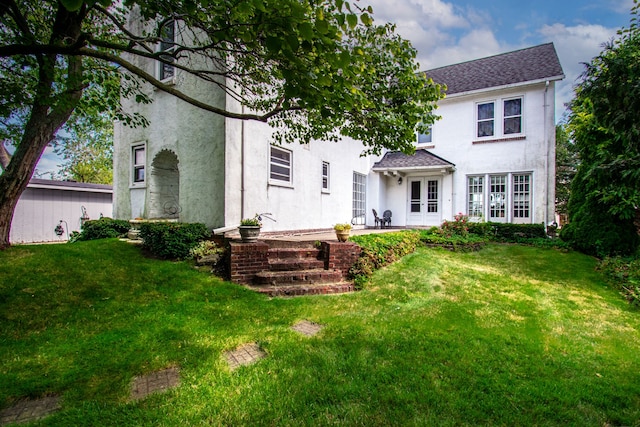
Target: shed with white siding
{"x": 45, "y": 204}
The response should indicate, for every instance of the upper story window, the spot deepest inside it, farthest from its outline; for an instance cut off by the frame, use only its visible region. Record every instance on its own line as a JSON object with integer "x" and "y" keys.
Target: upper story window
{"x": 486, "y": 117}
{"x": 139, "y": 161}
{"x": 508, "y": 111}
{"x": 280, "y": 166}
{"x": 167, "y": 44}
{"x": 325, "y": 176}
{"x": 512, "y": 116}
{"x": 425, "y": 138}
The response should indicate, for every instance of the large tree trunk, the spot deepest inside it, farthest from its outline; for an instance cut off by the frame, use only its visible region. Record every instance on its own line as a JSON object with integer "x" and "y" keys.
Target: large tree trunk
{"x": 45, "y": 119}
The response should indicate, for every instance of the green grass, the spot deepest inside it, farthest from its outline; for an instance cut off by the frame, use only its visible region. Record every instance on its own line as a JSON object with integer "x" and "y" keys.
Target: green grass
{"x": 510, "y": 335}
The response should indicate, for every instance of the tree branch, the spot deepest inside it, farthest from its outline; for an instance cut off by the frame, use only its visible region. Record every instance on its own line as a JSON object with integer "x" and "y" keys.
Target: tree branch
{"x": 172, "y": 90}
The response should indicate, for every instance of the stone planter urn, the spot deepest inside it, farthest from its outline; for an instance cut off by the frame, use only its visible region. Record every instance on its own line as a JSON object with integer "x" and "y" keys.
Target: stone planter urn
{"x": 249, "y": 233}
{"x": 342, "y": 231}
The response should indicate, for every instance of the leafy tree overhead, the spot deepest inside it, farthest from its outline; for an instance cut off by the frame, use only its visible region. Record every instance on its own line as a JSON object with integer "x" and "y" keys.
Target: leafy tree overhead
{"x": 605, "y": 126}
{"x": 312, "y": 69}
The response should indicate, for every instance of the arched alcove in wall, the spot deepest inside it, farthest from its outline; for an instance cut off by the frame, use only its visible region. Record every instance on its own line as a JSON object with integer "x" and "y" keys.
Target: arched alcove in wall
{"x": 164, "y": 186}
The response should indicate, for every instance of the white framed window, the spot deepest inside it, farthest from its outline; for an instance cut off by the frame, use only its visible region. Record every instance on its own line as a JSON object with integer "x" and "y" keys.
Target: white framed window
{"x": 138, "y": 164}
{"x": 486, "y": 119}
{"x": 432, "y": 196}
{"x": 325, "y": 177}
{"x": 504, "y": 198}
{"x": 512, "y": 113}
{"x": 500, "y": 118}
{"x": 498, "y": 198}
{"x": 166, "y": 71}
{"x": 359, "y": 207}
{"x": 521, "y": 198}
{"x": 426, "y": 137}
{"x": 475, "y": 202}
{"x": 280, "y": 166}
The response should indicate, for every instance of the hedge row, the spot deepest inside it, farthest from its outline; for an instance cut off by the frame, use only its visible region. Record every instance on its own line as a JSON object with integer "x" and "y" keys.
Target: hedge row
{"x": 172, "y": 240}
{"x": 103, "y": 228}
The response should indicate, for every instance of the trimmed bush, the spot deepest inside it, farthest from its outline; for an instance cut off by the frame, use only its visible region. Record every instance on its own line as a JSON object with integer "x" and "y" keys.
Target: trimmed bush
{"x": 172, "y": 240}
{"x": 512, "y": 232}
{"x": 103, "y": 228}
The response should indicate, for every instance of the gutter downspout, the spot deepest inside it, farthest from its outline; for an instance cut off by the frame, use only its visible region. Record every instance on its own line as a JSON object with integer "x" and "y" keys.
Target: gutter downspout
{"x": 546, "y": 158}
{"x": 242, "y": 166}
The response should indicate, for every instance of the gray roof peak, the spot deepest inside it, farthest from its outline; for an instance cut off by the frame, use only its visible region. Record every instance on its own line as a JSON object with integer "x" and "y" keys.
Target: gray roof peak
{"x": 530, "y": 64}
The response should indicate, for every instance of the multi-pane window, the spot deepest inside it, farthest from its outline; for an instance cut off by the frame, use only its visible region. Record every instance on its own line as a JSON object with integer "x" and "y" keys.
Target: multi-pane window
{"x": 168, "y": 45}
{"x": 490, "y": 114}
{"x": 498, "y": 196}
{"x": 325, "y": 176}
{"x": 359, "y": 196}
{"x": 512, "y": 116}
{"x": 280, "y": 165}
{"x": 432, "y": 196}
{"x": 486, "y": 116}
{"x": 521, "y": 196}
{"x": 139, "y": 160}
{"x": 475, "y": 204}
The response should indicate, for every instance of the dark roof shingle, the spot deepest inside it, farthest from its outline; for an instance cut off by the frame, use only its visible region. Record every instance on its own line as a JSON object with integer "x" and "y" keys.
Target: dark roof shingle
{"x": 421, "y": 159}
{"x": 530, "y": 64}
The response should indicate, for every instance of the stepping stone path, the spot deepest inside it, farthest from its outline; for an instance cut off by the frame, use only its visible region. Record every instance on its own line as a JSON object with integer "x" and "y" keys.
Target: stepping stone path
{"x": 307, "y": 328}
{"x": 155, "y": 382}
{"x": 246, "y": 354}
{"x": 29, "y": 410}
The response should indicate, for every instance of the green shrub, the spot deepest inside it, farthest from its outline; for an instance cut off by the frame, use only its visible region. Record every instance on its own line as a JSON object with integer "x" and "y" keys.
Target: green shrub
{"x": 379, "y": 250}
{"x": 458, "y": 227}
{"x": 457, "y": 243}
{"x": 482, "y": 229}
{"x": 172, "y": 240}
{"x": 103, "y": 228}
{"x": 624, "y": 275}
{"x": 504, "y": 232}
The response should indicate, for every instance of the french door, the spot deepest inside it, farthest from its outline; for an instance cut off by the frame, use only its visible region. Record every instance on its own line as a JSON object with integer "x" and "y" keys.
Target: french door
{"x": 424, "y": 201}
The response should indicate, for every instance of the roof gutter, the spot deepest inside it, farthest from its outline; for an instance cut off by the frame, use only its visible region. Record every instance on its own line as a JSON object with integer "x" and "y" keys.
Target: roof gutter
{"x": 503, "y": 87}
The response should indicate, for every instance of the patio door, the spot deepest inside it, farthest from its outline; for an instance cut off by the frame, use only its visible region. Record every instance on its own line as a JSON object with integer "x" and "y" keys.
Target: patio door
{"x": 424, "y": 201}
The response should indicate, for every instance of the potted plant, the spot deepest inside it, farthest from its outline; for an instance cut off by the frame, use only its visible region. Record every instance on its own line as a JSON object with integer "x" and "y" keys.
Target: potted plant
{"x": 250, "y": 229}
{"x": 342, "y": 231}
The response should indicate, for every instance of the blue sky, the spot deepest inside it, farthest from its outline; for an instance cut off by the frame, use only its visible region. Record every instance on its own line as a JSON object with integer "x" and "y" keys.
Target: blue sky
{"x": 450, "y": 31}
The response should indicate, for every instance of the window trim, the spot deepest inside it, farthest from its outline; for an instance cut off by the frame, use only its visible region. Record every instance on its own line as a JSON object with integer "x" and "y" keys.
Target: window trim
{"x": 510, "y": 195}
{"x": 160, "y": 65}
{"x": 499, "y": 121}
{"x": 289, "y": 167}
{"x": 138, "y": 166}
{"x": 429, "y": 134}
{"x": 359, "y": 204}
{"x": 326, "y": 177}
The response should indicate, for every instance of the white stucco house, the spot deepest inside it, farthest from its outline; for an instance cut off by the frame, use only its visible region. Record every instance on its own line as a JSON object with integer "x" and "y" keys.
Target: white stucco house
{"x": 491, "y": 156}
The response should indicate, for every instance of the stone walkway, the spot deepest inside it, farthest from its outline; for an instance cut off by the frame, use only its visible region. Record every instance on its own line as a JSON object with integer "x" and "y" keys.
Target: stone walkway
{"x": 30, "y": 410}
{"x": 246, "y": 354}
{"x": 154, "y": 382}
{"x": 307, "y": 328}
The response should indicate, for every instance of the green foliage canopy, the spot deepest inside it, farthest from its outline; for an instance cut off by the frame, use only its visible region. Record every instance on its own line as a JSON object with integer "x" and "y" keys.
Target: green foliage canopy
{"x": 312, "y": 69}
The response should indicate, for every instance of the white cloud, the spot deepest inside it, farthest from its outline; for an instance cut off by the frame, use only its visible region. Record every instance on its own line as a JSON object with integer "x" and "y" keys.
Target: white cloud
{"x": 575, "y": 45}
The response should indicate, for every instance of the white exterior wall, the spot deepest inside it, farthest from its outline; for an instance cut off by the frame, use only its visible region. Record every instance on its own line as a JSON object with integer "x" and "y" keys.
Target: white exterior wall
{"x": 454, "y": 135}
{"x": 303, "y": 205}
{"x": 41, "y": 208}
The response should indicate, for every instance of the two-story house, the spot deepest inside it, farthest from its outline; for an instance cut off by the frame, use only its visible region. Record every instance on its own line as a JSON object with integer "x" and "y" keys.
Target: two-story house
{"x": 491, "y": 156}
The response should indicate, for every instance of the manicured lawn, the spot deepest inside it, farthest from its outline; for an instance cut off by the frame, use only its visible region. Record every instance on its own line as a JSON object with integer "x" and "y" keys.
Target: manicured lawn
{"x": 510, "y": 335}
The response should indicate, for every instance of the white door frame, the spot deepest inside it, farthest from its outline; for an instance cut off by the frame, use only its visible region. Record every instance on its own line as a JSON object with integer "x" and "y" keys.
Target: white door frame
{"x": 424, "y": 201}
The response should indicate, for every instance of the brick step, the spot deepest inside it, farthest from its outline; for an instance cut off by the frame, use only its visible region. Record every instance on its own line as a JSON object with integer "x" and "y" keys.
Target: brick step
{"x": 294, "y": 264}
{"x": 299, "y": 277}
{"x": 288, "y": 253}
{"x": 298, "y": 290}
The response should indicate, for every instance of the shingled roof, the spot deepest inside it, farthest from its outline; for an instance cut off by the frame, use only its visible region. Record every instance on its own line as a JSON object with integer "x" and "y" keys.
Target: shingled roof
{"x": 530, "y": 64}
{"x": 422, "y": 159}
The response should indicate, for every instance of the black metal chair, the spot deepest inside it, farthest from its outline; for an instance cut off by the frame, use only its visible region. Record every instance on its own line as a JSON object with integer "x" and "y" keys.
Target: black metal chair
{"x": 377, "y": 219}
{"x": 386, "y": 218}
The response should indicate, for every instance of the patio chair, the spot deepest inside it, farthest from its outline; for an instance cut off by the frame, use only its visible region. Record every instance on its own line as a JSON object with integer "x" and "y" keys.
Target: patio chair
{"x": 386, "y": 218}
{"x": 376, "y": 218}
